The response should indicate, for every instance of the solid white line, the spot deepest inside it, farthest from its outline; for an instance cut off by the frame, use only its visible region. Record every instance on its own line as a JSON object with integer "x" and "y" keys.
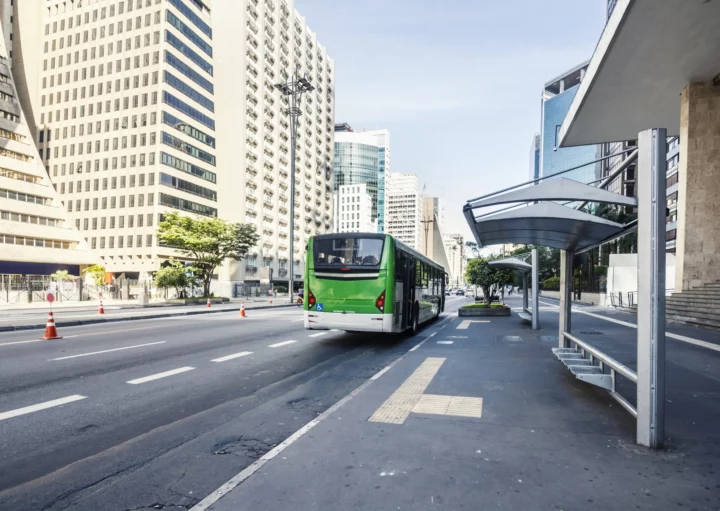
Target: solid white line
{"x": 277, "y": 345}
{"x": 107, "y": 351}
{"x": 380, "y": 373}
{"x": 230, "y": 357}
{"x": 40, "y": 406}
{"x": 319, "y": 334}
{"x": 419, "y": 344}
{"x": 160, "y": 375}
{"x": 678, "y": 337}
{"x": 297, "y": 320}
{"x": 445, "y": 342}
{"x": 432, "y": 335}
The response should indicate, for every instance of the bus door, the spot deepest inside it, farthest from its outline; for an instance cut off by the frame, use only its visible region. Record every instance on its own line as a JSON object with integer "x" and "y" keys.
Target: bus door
{"x": 409, "y": 277}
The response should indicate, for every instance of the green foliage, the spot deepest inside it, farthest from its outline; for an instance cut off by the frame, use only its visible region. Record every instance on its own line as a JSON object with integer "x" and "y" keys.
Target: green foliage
{"x": 552, "y": 284}
{"x": 208, "y": 241}
{"x": 601, "y": 271}
{"x": 97, "y": 272}
{"x": 175, "y": 275}
{"x": 281, "y": 289}
{"x": 490, "y": 280}
{"x": 484, "y": 306}
{"x": 63, "y": 275}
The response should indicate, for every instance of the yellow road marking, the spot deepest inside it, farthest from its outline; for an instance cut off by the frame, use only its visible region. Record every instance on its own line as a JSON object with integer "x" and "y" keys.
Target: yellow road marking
{"x": 399, "y": 405}
{"x": 456, "y": 406}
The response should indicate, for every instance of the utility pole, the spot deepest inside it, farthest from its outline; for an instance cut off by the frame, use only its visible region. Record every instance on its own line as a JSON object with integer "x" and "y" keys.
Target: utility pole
{"x": 294, "y": 90}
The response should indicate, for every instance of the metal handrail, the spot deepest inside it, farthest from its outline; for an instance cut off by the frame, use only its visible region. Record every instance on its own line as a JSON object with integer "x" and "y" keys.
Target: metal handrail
{"x": 615, "y": 367}
{"x": 607, "y": 360}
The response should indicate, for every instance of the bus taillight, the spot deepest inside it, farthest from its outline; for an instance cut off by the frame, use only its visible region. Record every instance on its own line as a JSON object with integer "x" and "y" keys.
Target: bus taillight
{"x": 380, "y": 302}
{"x": 311, "y": 299}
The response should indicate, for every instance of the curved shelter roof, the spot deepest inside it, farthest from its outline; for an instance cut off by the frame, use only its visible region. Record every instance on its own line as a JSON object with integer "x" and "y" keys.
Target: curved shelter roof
{"x": 512, "y": 263}
{"x": 543, "y": 222}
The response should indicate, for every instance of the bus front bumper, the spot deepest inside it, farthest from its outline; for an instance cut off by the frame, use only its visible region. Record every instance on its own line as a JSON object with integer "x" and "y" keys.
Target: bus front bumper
{"x": 349, "y": 322}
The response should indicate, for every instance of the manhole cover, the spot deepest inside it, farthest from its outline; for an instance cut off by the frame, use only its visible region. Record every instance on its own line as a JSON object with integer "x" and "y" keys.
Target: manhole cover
{"x": 591, "y": 332}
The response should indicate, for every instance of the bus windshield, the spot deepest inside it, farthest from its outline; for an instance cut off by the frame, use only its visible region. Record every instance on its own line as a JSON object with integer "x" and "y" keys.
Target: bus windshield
{"x": 348, "y": 251}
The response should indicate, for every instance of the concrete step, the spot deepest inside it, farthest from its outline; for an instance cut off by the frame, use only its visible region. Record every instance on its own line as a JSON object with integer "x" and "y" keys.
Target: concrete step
{"x": 696, "y": 314}
{"x": 697, "y": 323}
{"x": 694, "y": 300}
{"x": 689, "y": 306}
{"x": 699, "y": 292}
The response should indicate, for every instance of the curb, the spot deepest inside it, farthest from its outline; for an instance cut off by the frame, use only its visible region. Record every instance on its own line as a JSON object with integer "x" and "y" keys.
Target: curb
{"x": 96, "y": 321}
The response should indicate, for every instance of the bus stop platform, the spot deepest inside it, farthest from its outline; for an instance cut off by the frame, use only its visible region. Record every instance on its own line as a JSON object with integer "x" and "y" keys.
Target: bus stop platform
{"x": 481, "y": 415}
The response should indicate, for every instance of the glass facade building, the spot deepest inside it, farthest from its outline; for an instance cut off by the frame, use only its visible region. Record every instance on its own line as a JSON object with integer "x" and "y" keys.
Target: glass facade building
{"x": 557, "y": 97}
{"x": 363, "y": 159}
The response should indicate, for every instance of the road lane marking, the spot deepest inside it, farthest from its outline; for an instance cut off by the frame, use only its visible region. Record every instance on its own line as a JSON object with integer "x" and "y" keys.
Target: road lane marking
{"x": 284, "y": 343}
{"x": 319, "y": 334}
{"x": 455, "y": 406}
{"x": 466, "y": 323}
{"x": 160, "y": 375}
{"x": 40, "y": 406}
{"x": 88, "y": 334}
{"x": 445, "y": 342}
{"x": 399, "y": 405}
{"x": 678, "y": 337}
{"x": 297, "y": 320}
{"x": 107, "y": 351}
{"x": 230, "y": 357}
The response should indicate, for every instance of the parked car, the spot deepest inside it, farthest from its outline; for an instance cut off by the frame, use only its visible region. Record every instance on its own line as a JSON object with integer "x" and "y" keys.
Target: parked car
{"x": 460, "y": 292}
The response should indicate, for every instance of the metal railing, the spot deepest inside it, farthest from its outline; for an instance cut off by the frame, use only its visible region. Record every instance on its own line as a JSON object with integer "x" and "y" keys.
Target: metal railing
{"x": 614, "y": 366}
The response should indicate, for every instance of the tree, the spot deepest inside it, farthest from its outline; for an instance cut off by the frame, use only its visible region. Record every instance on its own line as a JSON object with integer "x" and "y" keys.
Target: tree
{"x": 208, "y": 241}
{"x": 97, "y": 272}
{"x": 62, "y": 275}
{"x": 175, "y": 274}
{"x": 480, "y": 273}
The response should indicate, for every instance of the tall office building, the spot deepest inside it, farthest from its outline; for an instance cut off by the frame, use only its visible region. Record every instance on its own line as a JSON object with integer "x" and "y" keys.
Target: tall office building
{"x": 364, "y": 158}
{"x": 122, "y": 98}
{"x": 353, "y": 209}
{"x": 455, "y": 249}
{"x": 260, "y": 43}
{"x": 403, "y": 209}
{"x": 557, "y": 97}
{"x": 36, "y": 237}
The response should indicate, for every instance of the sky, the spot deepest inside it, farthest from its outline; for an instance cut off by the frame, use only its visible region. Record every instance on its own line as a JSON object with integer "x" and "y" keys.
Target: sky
{"x": 456, "y": 82}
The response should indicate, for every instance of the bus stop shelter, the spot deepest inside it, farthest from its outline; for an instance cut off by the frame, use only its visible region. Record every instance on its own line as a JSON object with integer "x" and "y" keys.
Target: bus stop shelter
{"x": 527, "y": 270}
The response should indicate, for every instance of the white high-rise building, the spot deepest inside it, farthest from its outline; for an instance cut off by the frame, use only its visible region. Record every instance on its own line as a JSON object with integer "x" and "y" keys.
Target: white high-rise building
{"x": 123, "y": 101}
{"x": 403, "y": 208}
{"x": 139, "y": 108}
{"x": 364, "y": 158}
{"x": 259, "y": 43}
{"x": 35, "y": 235}
{"x": 455, "y": 249}
{"x": 353, "y": 209}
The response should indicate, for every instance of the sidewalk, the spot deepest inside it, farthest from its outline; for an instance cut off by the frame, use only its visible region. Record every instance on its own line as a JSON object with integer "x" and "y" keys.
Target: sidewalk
{"x": 37, "y": 319}
{"x": 544, "y": 441}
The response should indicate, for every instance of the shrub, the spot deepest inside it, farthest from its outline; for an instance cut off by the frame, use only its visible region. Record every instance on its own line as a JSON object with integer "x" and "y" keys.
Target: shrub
{"x": 552, "y": 284}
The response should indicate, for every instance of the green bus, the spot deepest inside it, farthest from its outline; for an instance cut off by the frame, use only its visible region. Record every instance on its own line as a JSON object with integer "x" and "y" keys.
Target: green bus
{"x": 368, "y": 282}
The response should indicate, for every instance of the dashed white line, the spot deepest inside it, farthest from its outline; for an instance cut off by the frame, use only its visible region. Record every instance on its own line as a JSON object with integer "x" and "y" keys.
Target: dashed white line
{"x": 319, "y": 334}
{"x": 284, "y": 343}
{"x": 234, "y": 355}
{"x": 40, "y": 406}
{"x": 444, "y": 342}
{"x": 107, "y": 351}
{"x": 160, "y": 375}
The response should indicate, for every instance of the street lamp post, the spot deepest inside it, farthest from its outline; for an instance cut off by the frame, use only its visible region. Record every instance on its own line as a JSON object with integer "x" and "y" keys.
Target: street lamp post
{"x": 294, "y": 89}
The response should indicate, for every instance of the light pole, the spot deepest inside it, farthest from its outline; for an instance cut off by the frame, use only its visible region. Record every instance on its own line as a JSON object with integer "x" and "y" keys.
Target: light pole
{"x": 294, "y": 89}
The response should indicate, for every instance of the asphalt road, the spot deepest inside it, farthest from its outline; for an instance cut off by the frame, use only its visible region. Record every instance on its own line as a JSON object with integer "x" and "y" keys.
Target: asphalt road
{"x": 155, "y": 414}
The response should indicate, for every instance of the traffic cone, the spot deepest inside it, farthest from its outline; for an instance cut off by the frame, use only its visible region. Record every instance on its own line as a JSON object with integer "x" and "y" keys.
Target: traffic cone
{"x": 208, "y": 303}
{"x": 242, "y": 310}
{"x": 101, "y": 310}
{"x": 270, "y": 302}
{"x": 50, "y": 330}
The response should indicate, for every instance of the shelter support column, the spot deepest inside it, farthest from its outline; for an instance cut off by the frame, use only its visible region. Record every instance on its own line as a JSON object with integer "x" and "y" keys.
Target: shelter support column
{"x": 652, "y": 166}
{"x": 565, "y": 296}
{"x": 698, "y": 231}
{"x": 525, "y": 290}
{"x": 535, "y": 292}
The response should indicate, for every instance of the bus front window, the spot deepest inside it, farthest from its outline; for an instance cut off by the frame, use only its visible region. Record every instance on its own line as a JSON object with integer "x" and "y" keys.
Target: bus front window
{"x": 348, "y": 251}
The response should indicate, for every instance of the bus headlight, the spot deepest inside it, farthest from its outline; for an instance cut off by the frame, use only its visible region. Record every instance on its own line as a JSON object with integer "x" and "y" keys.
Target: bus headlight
{"x": 380, "y": 302}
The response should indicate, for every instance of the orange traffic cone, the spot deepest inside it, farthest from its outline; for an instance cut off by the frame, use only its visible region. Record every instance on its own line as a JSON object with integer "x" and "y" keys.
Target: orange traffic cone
{"x": 270, "y": 302}
{"x": 242, "y": 310}
{"x": 208, "y": 303}
{"x": 101, "y": 310}
{"x": 50, "y": 330}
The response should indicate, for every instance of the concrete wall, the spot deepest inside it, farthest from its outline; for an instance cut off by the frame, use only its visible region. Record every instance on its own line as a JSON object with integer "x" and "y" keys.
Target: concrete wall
{"x": 622, "y": 273}
{"x": 587, "y": 298}
{"x": 698, "y": 228}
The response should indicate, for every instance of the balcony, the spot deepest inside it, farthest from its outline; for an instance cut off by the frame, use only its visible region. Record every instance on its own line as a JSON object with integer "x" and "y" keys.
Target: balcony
{"x": 252, "y": 41}
{"x": 250, "y": 183}
{"x": 252, "y": 11}
{"x": 252, "y": 55}
{"x": 268, "y": 177}
{"x": 250, "y": 197}
{"x": 252, "y": 83}
{"x": 284, "y": 49}
{"x": 283, "y": 197}
{"x": 251, "y": 154}
{"x": 284, "y": 211}
{"x": 267, "y": 202}
{"x": 269, "y": 45}
{"x": 251, "y": 126}
{"x": 252, "y": 26}
{"x": 284, "y": 61}
{"x": 250, "y": 211}
{"x": 251, "y": 68}
{"x": 270, "y": 4}
{"x": 251, "y": 141}
{"x": 284, "y": 8}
